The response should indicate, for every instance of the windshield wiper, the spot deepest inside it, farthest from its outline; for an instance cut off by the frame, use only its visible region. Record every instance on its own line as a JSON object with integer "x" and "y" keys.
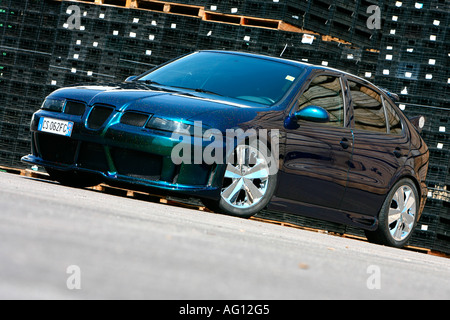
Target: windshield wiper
{"x": 207, "y": 92}
{"x": 151, "y": 82}
{"x": 199, "y": 90}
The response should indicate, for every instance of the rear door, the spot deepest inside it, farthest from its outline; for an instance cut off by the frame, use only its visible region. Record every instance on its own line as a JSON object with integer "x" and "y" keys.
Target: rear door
{"x": 381, "y": 147}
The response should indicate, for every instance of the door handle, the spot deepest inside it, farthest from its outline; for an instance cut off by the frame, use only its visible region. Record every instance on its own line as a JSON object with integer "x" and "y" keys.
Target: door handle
{"x": 345, "y": 143}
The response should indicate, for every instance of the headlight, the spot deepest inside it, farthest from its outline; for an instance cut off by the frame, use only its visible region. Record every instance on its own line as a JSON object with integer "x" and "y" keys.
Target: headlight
{"x": 179, "y": 127}
{"x": 168, "y": 125}
{"x": 54, "y": 105}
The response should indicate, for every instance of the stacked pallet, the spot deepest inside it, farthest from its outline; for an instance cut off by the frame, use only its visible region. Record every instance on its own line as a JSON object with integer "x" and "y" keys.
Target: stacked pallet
{"x": 434, "y": 227}
{"x": 414, "y": 54}
{"x": 25, "y": 56}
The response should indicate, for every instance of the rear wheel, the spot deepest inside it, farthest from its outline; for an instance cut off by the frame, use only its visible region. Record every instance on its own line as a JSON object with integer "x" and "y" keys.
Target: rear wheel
{"x": 398, "y": 216}
{"x": 247, "y": 185}
{"x": 73, "y": 178}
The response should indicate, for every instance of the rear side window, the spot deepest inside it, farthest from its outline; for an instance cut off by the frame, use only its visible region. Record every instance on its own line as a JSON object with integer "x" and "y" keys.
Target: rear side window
{"x": 368, "y": 108}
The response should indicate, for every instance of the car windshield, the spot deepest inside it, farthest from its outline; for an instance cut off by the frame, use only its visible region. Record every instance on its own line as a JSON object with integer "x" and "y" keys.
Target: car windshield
{"x": 235, "y": 76}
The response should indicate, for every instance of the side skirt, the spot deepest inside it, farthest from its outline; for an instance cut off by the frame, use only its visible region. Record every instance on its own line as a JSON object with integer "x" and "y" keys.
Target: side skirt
{"x": 332, "y": 215}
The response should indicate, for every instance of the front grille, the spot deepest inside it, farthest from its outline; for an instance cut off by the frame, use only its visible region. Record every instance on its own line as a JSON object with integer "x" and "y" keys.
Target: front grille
{"x": 75, "y": 108}
{"x": 98, "y": 116}
{"x": 137, "y": 164}
{"x": 92, "y": 156}
{"x": 57, "y": 149}
{"x": 134, "y": 119}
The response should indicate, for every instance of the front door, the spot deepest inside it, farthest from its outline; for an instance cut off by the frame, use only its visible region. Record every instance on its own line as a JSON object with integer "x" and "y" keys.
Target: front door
{"x": 317, "y": 155}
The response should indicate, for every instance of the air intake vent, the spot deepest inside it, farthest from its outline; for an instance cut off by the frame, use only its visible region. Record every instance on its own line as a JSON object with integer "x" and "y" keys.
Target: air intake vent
{"x": 98, "y": 116}
{"x": 75, "y": 108}
{"x": 57, "y": 149}
{"x": 137, "y": 164}
{"x": 92, "y": 156}
{"x": 134, "y": 119}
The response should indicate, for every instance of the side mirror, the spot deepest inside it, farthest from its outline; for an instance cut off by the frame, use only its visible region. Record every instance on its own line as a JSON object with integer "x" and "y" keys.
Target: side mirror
{"x": 313, "y": 114}
{"x": 130, "y": 79}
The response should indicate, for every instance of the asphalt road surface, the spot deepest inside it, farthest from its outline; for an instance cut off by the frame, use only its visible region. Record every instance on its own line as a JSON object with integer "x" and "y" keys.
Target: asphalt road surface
{"x": 65, "y": 243}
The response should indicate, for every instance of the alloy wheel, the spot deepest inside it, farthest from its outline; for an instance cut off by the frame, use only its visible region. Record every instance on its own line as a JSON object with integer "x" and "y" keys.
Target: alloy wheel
{"x": 402, "y": 213}
{"x": 246, "y": 178}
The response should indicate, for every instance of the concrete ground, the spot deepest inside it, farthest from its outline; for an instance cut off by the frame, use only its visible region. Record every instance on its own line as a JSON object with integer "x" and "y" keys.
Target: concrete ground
{"x": 65, "y": 243}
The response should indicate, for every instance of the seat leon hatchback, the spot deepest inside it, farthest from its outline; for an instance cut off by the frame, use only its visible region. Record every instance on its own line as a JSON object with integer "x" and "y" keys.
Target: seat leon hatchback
{"x": 243, "y": 133}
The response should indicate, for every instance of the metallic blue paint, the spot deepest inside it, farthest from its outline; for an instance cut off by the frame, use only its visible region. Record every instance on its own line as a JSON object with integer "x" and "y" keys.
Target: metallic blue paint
{"x": 318, "y": 177}
{"x": 313, "y": 114}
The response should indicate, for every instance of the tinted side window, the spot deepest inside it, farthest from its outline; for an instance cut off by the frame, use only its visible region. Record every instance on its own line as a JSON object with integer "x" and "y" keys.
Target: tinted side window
{"x": 395, "y": 124}
{"x": 367, "y": 108}
{"x": 325, "y": 92}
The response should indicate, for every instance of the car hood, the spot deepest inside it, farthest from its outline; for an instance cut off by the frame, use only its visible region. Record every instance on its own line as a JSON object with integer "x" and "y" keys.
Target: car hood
{"x": 220, "y": 113}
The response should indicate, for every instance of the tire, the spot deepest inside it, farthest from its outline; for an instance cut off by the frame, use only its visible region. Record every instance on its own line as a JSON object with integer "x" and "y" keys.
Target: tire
{"x": 73, "y": 179}
{"x": 248, "y": 184}
{"x": 398, "y": 216}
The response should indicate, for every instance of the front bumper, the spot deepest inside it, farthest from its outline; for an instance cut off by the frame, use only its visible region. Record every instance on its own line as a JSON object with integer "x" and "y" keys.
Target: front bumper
{"x": 122, "y": 154}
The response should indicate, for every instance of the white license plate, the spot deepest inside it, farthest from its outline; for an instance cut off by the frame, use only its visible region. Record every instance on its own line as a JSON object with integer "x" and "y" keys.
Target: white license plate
{"x": 59, "y": 127}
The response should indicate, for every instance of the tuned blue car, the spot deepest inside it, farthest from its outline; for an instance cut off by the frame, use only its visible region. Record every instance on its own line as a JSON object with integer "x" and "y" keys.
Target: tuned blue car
{"x": 242, "y": 133}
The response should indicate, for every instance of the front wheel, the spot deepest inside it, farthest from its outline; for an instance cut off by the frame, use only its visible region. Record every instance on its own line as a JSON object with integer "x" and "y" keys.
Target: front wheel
{"x": 248, "y": 184}
{"x": 398, "y": 216}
